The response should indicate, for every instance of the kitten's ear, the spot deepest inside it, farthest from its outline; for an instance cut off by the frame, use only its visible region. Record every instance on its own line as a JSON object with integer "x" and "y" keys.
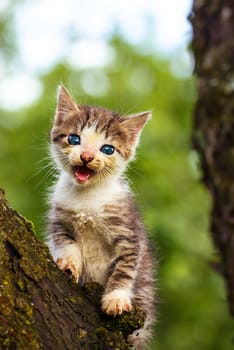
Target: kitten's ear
{"x": 135, "y": 124}
{"x": 65, "y": 104}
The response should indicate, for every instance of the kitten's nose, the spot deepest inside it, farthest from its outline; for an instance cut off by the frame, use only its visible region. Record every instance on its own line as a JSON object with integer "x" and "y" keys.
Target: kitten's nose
{"x": 86, "y": 157}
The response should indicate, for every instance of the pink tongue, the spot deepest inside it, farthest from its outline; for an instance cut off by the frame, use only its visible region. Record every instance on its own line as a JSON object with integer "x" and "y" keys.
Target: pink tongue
{"x": 82, "y": 175}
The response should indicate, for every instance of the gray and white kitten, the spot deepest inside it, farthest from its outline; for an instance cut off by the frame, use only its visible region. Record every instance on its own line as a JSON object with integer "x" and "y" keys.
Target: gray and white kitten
{"x": 94, "y": 228}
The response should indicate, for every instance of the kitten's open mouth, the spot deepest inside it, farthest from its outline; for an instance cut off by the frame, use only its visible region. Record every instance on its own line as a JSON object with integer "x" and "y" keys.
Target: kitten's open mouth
{"x": 82, "y": 173}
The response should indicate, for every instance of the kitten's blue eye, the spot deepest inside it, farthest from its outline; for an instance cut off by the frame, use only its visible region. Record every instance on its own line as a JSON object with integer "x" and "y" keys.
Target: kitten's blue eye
{"x": 107, "y": 149}
{"x": 74, "y": 139}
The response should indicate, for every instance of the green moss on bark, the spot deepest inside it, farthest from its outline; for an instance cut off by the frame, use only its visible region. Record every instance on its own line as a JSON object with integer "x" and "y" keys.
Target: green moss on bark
{"x": 41, "y": 307}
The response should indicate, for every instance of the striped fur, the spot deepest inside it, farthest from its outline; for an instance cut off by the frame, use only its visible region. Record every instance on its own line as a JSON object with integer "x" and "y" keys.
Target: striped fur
{"x": 94, "y": 227}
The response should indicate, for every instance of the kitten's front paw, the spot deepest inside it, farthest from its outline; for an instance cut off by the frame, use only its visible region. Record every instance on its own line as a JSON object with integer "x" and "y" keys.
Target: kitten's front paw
{"x": 116, "y": 302}
{"x": 67, "y": 264}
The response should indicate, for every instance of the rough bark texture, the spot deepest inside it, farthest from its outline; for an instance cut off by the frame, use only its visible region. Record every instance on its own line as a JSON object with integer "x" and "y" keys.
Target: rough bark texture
{"x": 41, "y": 307}
{"x": 213, "y": 136}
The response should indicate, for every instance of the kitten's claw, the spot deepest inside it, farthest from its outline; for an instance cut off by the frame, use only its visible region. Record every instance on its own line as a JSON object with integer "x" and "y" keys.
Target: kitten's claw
{"x": 116, "y": 302}
{"x": 65, "y": 264}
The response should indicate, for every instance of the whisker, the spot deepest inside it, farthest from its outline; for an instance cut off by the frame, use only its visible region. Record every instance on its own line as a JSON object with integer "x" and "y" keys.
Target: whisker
{"x": 132, "y": 168}
{"x": 107, "y": 170}
{"x": 41, "y": 167}
{"x": 50, "y": 173}
{"x": 46, "y": 165}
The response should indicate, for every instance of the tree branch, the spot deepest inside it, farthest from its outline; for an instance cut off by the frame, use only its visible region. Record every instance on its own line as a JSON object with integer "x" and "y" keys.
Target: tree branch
{"x": 41, "y": 307}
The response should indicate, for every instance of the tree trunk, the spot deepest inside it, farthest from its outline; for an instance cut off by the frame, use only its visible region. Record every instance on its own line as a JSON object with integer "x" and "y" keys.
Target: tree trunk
{"x": 41, "y": 307}
{"x": 213, "y": 134}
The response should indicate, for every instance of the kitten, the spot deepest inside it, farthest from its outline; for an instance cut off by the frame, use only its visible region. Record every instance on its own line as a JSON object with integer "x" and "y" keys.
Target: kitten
{"x": 95, "y": 230}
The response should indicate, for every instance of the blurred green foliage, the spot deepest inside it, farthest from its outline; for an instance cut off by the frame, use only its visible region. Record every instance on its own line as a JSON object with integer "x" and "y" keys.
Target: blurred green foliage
{"x": 192, "y": 312}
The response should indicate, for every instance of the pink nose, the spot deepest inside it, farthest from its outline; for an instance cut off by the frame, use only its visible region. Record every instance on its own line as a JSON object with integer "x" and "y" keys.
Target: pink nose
{"x": 86, "y": 156}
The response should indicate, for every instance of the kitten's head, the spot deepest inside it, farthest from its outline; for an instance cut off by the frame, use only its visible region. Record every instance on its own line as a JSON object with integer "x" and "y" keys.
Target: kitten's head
{"x": 91, "y": 143}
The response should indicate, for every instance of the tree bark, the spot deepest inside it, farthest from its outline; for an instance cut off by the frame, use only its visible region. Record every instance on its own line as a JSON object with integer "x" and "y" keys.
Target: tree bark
{"x": 41, "y": 307}
{"x": 213, "y": 134}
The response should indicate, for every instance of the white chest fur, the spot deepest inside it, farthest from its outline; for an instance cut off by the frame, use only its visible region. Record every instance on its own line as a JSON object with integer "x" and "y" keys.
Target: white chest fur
{"x": 93, "y": 236}
{"x": 78, "y": 198}
{"x": 94, "y": 243}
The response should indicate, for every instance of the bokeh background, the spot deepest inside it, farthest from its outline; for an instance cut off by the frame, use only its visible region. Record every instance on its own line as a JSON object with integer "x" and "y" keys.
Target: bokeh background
{"x": 128, "y": 56}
